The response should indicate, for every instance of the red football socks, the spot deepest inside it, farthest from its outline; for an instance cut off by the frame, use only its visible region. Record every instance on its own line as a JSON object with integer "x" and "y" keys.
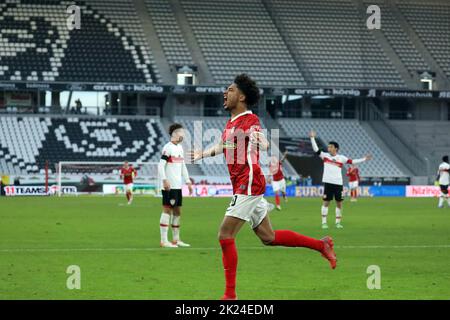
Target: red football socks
{"x": 230, "y": 260}
{"x": 277, "y": 199}
{"x": 289, "y": 238}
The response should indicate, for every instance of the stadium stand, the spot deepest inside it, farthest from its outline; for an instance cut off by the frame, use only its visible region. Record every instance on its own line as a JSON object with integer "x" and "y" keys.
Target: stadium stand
{"x": 36, "y": 47}
{"x": 27, "y": 142}
{"x": 239, "y": 36}
{"x": 334, "y": 47}
{"x": 261, "y": 37}
{"x": 431, "y": 21}
{"x": 355, "y": 142}
{"x": 430, "y": 138}
{"x": 169, "y": 33}
{"x": 402, "y": 44}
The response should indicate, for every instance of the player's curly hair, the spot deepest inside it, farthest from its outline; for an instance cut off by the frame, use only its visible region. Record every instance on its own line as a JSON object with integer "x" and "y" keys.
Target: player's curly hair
{"x": 173, "y": 127}
{"x": 249, "y": 88}
{"x": 445, "y": 159}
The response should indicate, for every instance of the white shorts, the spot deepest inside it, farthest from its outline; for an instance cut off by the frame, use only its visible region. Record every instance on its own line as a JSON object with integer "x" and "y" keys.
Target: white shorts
{"x": 279, "y": 185}
{"x": 252, "y": 209}
{"x": 129, "y": 187}
{"x": 353, "y": 184}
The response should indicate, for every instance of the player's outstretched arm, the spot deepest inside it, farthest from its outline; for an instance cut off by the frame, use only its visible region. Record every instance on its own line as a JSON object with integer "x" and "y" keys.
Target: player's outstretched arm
{"x": 195, "y": 155}
{"x": 187, "y": 179}
{"x": 284, "y": 156}
{"x": 366, "y": 158}
{"x": 312, "y": 136}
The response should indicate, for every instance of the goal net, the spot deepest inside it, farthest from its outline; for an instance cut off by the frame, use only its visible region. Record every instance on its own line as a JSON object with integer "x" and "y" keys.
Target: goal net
{"x": 104, "y": 178}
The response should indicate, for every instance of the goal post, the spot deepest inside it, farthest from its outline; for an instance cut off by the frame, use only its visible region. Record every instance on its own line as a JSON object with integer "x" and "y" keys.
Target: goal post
{"x": 95, "y": 177}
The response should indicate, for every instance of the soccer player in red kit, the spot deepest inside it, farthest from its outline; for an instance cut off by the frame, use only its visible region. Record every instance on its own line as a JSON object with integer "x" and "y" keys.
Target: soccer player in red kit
{"x": 240, "y": 144}
{"x": 353, "y": 181}
{"x": 277, "y": 179}
{"x": 128, "y": 173}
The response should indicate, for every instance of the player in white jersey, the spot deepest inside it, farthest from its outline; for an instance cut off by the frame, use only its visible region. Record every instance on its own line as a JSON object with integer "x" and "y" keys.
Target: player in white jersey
{"x": 332, "y": 177}
{"x": 443, "y": 178}
{"x": 172, "y": 169}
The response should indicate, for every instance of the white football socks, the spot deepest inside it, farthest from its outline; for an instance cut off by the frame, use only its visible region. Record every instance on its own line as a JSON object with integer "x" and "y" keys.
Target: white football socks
{"x": 324, "y": 214}
{"x": 338, "y": 215}
{"x": 176, "y": 228}
{"x": 441, "y": 201}
{"x": 164, "y": 226}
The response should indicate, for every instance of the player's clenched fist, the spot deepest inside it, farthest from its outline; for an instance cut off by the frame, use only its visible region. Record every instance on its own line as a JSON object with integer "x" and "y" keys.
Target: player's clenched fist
{"x": 195, "y": 155}
{"x": 166, "y": 185}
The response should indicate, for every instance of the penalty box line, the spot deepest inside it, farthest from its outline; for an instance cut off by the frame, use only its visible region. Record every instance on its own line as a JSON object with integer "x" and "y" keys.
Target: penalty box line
{"x": 444, "y": 246}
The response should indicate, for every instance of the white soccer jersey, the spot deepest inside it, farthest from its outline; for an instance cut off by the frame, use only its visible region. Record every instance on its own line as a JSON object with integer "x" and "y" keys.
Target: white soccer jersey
{"x": 332, "y": 165}
{"x": 443, "y": 172}
{"x": 172, "y": 166}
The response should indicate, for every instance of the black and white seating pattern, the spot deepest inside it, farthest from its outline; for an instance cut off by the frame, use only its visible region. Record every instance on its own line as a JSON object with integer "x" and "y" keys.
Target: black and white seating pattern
{"x": 36, "y": 44}
{"x": 26, "y": 143}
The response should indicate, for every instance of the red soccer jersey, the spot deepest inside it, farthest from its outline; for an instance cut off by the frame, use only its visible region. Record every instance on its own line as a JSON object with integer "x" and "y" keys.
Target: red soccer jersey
{"x": 353, "y": 174}
{"x": 243, "y": 160}
{"x": 276, "y": 170}
{"x": 127, "y": 175}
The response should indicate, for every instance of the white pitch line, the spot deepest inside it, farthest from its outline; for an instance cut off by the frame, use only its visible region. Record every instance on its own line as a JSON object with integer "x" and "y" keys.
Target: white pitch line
{"x": 444, "y": 246}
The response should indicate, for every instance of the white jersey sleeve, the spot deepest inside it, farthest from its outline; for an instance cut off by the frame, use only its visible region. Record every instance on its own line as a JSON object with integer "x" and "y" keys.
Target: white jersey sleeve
{"x": 345, "y": 160}
{"x": 162, "y": 163}
{"x": 444, "y": 178}
{"x": 316, "y": 149}
{"x": 172, "y": 166}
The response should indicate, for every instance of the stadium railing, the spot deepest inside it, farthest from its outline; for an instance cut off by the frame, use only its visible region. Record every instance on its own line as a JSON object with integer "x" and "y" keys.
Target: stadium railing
{"x": 85, "y": 110}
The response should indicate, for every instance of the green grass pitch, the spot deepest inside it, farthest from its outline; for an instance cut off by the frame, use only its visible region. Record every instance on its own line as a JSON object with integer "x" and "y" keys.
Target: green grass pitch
{"x": 117, "y": 250}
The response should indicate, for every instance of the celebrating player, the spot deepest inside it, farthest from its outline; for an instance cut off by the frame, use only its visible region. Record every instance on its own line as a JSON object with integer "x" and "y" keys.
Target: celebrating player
{"x": 128, "y": 173}
{"x": 171, "y": 170}
{"x": 443, "y": 178}
{"x": 277, "y": 179}
{"x": 353, "y": 181}
{"x": 332, "y": 177}
{"x": 241, "y": 142}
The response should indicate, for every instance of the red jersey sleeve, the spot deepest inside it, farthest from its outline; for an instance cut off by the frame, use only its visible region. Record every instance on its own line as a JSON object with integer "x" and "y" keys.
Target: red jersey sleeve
{"x": 253, "y": 125}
